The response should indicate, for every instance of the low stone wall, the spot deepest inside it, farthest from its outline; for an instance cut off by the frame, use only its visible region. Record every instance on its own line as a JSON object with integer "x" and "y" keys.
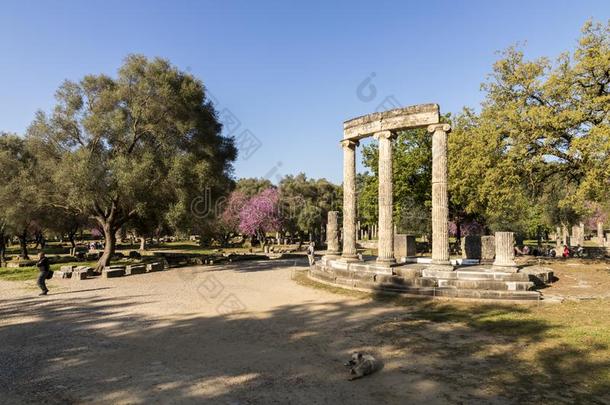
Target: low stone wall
{"x": 596, "y": 252}
{"x": 134, "y": 269}
{"x": 20, "y": 263}
{"x": 113, "y": 271}
{"x": 419, "y": 279}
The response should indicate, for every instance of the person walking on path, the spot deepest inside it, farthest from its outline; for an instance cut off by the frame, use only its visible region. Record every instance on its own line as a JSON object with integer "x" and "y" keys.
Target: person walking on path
{"x": 44, "y": 269}
{"x": 311, "y": 254}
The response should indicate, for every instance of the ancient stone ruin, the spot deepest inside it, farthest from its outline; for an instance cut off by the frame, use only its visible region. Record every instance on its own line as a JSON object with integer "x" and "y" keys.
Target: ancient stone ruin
{"x": 437, "y": 275}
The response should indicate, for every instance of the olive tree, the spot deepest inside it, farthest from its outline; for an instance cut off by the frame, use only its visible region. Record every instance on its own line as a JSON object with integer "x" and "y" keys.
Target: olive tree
{"x": 118, "y": 148}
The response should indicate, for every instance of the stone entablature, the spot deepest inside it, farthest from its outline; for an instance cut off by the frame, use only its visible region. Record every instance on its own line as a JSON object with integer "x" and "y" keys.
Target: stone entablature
{"x": 415, "y": 116}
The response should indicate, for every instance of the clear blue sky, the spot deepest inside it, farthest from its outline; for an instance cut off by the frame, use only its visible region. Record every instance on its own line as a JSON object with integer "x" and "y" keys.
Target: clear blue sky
{"x": 289, "y": 71}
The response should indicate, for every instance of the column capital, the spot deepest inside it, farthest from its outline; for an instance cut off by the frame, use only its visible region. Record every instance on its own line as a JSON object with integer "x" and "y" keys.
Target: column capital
{"x": 439, "y": 127}
{"x": 349, "y": 143}
{"x": 384, "y": 134}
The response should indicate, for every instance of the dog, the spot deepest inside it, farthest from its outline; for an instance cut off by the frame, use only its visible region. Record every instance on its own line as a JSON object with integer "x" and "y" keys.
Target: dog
{"x": 361, "y": 365}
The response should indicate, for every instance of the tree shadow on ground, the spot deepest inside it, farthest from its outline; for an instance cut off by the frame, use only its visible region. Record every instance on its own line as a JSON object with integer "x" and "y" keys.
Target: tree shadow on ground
{"x": 73, "y": 350}
{"x": 238, "y": 266}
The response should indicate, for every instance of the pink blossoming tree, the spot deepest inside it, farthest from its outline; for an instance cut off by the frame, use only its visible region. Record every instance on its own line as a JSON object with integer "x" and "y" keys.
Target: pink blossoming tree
{"x": 227, "y": 225}
{"x": 261, "y": 214}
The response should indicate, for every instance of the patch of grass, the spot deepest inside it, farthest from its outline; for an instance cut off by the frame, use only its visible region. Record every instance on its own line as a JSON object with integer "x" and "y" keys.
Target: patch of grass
{"x": 555, "y": 349}
{"x": 194, "y": 247}
{"x": 30, "y": 273}
{"x": 50, "y": 248}
{"x": 18, "y": 273}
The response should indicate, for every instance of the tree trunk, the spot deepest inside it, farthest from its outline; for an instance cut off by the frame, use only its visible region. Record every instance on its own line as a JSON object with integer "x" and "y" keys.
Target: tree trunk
{"x": 261, "y": 239}
{"x": 225, "y": 239}
{"x": 37, "y": 240}
{"x": 23, "y": 243}
{"x": 71, "y": 239}
{"x": 142, "y": 243}
{"x": 2, "y": 249}
{"x": 109, "y": 246}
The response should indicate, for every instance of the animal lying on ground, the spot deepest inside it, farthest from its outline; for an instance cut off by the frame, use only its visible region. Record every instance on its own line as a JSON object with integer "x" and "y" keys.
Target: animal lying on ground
{"x": 361, "y": 365}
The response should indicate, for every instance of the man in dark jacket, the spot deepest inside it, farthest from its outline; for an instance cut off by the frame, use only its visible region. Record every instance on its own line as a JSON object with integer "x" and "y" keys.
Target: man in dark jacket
{"x": 44, "y": 268}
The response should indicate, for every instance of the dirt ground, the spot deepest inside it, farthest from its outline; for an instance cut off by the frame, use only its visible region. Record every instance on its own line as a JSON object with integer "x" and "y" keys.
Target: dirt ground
{"x": 250, "y": 334}
{"x": 578, "y": 279}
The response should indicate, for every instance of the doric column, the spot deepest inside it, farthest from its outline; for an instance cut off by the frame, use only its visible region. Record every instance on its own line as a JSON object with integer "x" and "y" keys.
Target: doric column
{"x": 505, "y": 252}
{"x": 574, "y": 235}
{"x": 332, "y": 233}
{"x": 440, "y": 206}
{"x": 349, "y": 199}
{"x": 385, "y": 245}
{"x": 600, "y": 233}
{"x": 558, "y": 238}
{"x": 488, "y": 249}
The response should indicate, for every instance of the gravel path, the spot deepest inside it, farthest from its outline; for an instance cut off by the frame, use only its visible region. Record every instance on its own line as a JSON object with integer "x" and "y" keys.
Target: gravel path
{"x": 235, "y": 334}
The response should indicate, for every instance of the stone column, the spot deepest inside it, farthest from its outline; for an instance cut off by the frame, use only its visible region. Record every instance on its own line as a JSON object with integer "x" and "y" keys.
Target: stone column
{"x": 600, "y": 233}
{"x": 505, "y": 252}
{"x": 565, "y": 238}
{"x": 440, "y": 206}
{"x": 488, "y": 249}
{"x": 332, "y": 234}
{"x": 574, "y": 234}
{"x": 385, "y": 245}
{"x": 349, "y": 200}
{"x": 558, "y": 236}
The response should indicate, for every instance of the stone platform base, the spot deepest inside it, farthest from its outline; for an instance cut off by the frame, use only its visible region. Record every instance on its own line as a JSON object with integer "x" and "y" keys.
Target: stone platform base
{"x": 478, "y": 282}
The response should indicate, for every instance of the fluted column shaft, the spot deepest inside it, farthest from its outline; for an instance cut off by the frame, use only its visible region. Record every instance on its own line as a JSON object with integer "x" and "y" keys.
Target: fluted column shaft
{"x": 349, "y": 199}
{"x": 385, "y": 245}
{"x": 505, "y": 251}
{"x": 558, "y": 237}
{"x": 332, "y": 233}
{"x": 440, "y": 206}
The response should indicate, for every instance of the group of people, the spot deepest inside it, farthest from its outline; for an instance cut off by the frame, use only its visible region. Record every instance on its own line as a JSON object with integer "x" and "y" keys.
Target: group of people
{"x": 94, "y": 245}
{"x": 564, "y": 252}
{"x": 567, "y": 252}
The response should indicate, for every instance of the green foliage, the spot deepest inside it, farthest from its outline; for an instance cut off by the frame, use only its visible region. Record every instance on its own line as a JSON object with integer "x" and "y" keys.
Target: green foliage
{"x": 136, "y": 147}
{"x": 250, "y": 187}
{"x": 20, "y": 190}
{"x": 306, "y": 202}
{"x": 539, "y": 151}
{"x": 412, "y": 171}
